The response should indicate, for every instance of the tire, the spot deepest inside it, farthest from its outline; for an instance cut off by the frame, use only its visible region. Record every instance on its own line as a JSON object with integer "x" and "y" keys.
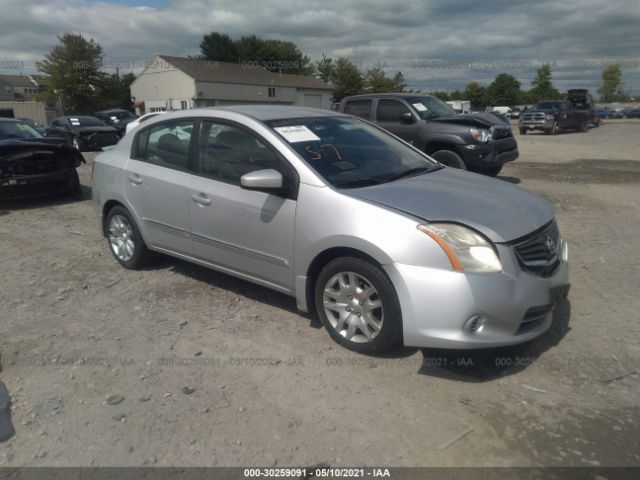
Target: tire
{"x": 77, "y": 144}
{"x": 553, "y": 130}
{"x": 523, "y": 131}
{"x": 449, "y": 158}
{"x": 597, "y": 123}
{"x": 584, "y": 126}
{"x": 74, "y": 185}
{"x": 491, "y": 171}
{"x": 350, "y": 290}
{"x": 124, "y": 239}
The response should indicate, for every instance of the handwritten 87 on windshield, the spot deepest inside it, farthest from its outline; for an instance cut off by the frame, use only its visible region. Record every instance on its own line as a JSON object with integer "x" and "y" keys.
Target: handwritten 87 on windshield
{"x": 317, "y": 472}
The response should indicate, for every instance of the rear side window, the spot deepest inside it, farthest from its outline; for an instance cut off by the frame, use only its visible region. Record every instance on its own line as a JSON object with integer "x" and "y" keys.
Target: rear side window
{"x": 359, "y": 108}
{"x": 390, "y": 111}
{"x": 166, "y": 144}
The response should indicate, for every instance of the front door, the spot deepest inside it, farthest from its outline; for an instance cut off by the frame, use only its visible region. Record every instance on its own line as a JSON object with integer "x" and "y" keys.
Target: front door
{"x": 388, "y": 113}
{"x": 244, "y": 231}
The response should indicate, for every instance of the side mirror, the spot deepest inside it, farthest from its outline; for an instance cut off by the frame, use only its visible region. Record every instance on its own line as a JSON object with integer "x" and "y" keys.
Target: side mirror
{"x": 262, "y": 180}
{"x": 406, "y": 117}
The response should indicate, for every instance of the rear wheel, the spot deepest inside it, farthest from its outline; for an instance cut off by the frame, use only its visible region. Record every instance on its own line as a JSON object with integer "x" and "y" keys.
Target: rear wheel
{"x": 358, "y": 305}
{"x": 450, "y": 159}
{"x": 125, "y": 241}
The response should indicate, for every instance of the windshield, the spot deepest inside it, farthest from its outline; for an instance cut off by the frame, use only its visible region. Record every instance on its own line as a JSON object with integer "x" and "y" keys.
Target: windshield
{"x": 86, "y": 122}
{"x": 431, "y": 107}
{"x": 348, "y": 152}
{"x": 547, "y": 105}
{"x": 17, "y": 130}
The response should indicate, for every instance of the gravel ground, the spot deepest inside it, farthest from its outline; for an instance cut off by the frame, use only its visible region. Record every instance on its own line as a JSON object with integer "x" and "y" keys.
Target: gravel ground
{"x": 178, "y": 365}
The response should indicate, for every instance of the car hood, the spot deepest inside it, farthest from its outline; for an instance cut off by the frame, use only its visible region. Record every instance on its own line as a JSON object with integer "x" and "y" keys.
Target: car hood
{"x": 13, "y": 149}
{"x": 501, "y": 211}
{"x": 481, "y": 120}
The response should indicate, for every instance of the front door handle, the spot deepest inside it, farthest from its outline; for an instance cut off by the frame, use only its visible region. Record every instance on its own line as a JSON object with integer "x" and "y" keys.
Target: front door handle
{"x": 135, "y": 178}
{"x": 201, "y": 199}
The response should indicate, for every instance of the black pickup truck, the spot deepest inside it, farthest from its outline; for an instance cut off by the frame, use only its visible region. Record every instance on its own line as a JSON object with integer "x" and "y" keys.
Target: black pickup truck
{"x": 480, "y": 142}
{"x": 551, "y": 116}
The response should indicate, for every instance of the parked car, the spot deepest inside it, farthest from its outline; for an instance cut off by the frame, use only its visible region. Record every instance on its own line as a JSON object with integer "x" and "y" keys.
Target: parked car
{"x": 32, "y": 165}
{"x": 582, "y": 100}
{"x": 480, "y": 142}
{"x": 83, "y": 132}
{"x": 608, "y": 113}
{"x": 632, "y": 113}
{"x": 551, "y": 116}
{"x": 117, "y": 118}
{"x": 141, "y": 119}
{"x": 38, "y": 127}
{"x": 384, "y": 243}
{"x": 514, "y": 114}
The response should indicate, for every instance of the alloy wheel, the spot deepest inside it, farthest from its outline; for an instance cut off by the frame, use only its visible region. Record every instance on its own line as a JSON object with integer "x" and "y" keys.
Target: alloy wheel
{"x": 353, "y": 307}
{"x": 121, "y": 238}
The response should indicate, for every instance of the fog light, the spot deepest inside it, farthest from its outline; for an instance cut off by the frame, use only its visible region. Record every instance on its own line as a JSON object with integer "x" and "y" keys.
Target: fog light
{"x": 474, "y": 325}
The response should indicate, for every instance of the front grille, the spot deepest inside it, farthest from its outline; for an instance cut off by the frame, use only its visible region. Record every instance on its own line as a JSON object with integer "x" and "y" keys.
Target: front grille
{"x": 533, "y": 117}
{"x": 500, "y": 133}
{"x": 33, "y": 167}
{"x": 539, "y": 252}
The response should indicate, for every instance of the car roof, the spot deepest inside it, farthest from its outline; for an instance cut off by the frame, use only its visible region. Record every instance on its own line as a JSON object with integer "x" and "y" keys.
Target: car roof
{"x": 392, "y": 94}
{"x": 271, "y": 112}
{"x": 14, "y": 120}
{"x": 112, "y": 110}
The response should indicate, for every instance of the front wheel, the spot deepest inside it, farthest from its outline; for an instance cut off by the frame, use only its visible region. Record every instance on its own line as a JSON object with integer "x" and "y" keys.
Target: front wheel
{"x": 553, "y": 130}
{"x": 125, "y": 242}
{"x": 358, "y": 305}
{"x": 77, "y": 144}
{"x": 491, "y": 171}
{"x": 523, "y": 131}
{"x": 450, "y": 159}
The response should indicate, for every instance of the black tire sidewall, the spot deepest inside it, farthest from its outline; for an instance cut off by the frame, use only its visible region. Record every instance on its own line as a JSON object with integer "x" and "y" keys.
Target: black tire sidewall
{"x": 141, "y": 253}
{"x": 450, "y": 159}
{"x": 391, "y": 333}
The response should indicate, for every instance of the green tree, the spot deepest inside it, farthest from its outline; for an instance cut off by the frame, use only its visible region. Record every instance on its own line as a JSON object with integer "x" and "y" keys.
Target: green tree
{"x": 115, "y": 92}
{"x": 347, "y": 79}
{"x": 325, "y": 69}
{"x": 444, "y": 96}
{"x": 274, "y": 55}
{"x": 218, "y": 47}
{"x": 73, "y": 66}
{"x": 611, "y": 89}
{"x": 504, "y": 90}
{"x": 398, "y": 83}
{"x": 542, "y": 86}
{"x": 475, "y": 93}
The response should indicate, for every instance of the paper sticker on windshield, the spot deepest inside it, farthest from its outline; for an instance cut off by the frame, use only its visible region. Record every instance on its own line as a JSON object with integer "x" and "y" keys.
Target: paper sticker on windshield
{"x": 297, "y": 133}
{"x": 420, "y": 107}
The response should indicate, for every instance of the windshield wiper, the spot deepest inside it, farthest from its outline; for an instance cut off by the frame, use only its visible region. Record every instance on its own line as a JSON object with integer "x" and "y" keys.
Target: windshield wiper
{"x": 412, "y": 172}
{"x": 360, "y": 182}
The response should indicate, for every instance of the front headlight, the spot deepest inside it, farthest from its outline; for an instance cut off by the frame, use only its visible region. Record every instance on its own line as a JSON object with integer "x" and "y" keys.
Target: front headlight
{"x": 467, "y": 250}
{"x": 549, "y": 116}
{"x": 480, "y": 134}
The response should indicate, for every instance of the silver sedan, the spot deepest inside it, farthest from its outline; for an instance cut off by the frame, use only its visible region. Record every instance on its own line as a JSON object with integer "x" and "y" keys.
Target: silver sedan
{"x": 381, "y": 242}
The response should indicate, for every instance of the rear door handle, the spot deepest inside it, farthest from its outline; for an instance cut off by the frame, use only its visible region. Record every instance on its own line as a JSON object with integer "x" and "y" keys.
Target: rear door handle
{"x": 134, "y": 178}
{"x": 201, "y": 199}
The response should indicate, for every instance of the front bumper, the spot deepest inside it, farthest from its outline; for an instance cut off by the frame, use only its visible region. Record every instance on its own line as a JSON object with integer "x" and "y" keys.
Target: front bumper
{"x": 536, "y": 124}
{"x": 513, "y": 306}
{"x": 99, "y": 140}
{"x": 37, "y": 185}
{"x": 490, "y": 154}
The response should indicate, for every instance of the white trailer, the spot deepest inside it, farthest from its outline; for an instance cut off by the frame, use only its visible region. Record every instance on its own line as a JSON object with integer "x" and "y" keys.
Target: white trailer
{"x": 460, "y": 106}
{"x": 31, "y": 110}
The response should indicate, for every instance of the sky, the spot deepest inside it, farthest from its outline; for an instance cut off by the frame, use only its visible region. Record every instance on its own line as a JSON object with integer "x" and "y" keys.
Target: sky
{"x": 437, "y": 44}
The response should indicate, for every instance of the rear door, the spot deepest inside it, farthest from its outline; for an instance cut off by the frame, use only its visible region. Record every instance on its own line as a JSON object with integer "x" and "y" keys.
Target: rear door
{"x": 388, "y": 113}
{"x": 245, "y": 231}
{"x": 362, "y": 107}
{"x": 157, "y": 179}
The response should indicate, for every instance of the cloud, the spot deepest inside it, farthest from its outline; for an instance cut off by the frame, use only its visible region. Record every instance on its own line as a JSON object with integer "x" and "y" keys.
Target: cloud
{"x": 437, "y": 45}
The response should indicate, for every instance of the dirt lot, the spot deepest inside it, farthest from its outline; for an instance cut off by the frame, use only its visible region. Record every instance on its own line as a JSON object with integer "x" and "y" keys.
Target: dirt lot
{"x": 217, "y": 371}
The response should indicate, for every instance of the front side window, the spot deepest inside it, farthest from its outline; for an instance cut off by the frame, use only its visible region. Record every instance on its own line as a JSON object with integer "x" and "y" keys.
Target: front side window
{"x": 359, "y": 108}
{"x": 166, "y": 144}
{"x": 348, "y": 152}
{"x": 390, "y": 111}
{"x": 227, "y": 152}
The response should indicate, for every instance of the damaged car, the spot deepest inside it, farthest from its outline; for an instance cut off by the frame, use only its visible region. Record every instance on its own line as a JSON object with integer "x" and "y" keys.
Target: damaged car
{"x": 480, "y": 142}
{"x": 32, "y": 165}
{"x": 83, "y": 132}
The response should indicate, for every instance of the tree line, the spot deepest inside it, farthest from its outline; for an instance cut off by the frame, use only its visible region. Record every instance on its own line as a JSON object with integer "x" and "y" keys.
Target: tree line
{"x": 78, "y": 81}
